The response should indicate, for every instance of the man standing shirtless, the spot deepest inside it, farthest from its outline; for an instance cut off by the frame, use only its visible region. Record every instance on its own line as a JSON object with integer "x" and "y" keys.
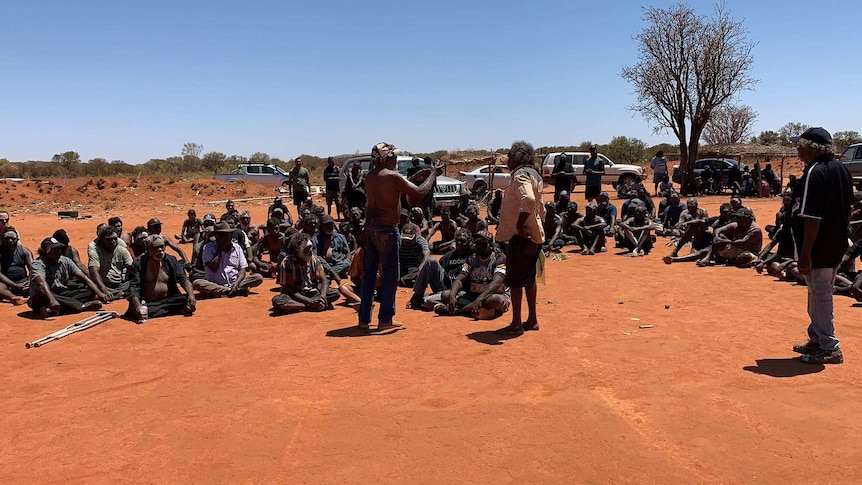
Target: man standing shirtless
{"x": 384, "y": 186}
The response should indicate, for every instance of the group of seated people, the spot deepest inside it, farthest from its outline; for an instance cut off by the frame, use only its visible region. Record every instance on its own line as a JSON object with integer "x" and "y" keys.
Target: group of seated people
{"x": 731, "y": 237}
{"x": 229, "y": 256}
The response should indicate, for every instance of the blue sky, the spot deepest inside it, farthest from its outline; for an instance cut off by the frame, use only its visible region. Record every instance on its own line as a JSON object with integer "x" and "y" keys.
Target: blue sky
{"x": 136, "y": 80}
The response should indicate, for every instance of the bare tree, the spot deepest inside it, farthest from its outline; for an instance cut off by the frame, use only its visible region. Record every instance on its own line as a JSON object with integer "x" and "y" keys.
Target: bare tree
{"x": 793, "y": 128}
{"x": 729, "y": 124}
{"x": 689, "y": 65}
{"x": 192, "y": 150}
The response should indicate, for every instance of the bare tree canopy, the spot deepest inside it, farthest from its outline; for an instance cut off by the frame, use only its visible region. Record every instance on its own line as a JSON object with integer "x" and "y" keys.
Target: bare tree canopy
{"x": 729, "y": 125}
{"x": 689, "y": 65}
{"x": 192, "y": 149}
{"x": 794, "y": 128}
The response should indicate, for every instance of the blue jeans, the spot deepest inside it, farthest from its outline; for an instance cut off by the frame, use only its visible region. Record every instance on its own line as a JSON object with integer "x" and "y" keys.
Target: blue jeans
{"x": 822, "y": 327}
{"x": 381, "y": 248}
{"x": 431, "y": 274}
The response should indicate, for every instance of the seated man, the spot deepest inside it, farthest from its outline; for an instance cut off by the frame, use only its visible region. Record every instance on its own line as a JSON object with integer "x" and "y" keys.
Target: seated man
{"x": 591, "y": 230}
{"x": 670, "y": 217}
{"x": 565, "y": 233}
{"x": 57, "y": 284}
{"x": 154, "y": 227}
{"x": 332, "y": 247}
{"x": 251, "y": 231}
{"x": 608, "y": 212}
{"x": 156, "y": 278}
{"x": 474, "y": 223}
{"x": 68, "y": 250}
{"x": 440, "y": 274}
{"x": 271, "y": 244}
{"x": 226, "y": 266}
{"x": 693, "y": 215}
{"x": 447, "y": 228}
{"x": 191, "y": 227}
{"x": 701, "y": 243}
{"x": 637, "y": 232}
{"x": 411, "y": 255}
{"x": 108, "y": 262}
{"x": 15, "y": 263}
{"x": 565, "y": 204}
{"x": 304, "y": 284}
{"x": 738, "y": 242}
{"x": 125, "y": 237}
{"x": 484, "y": 294}
{"x": 418, "y": 217}
{"x": 138, "y": 246}
{"x": 495, "y": 207}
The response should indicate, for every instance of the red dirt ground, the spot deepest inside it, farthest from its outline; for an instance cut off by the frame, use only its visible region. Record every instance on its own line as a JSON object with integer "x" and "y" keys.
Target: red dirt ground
{"x": 711, "y": 394}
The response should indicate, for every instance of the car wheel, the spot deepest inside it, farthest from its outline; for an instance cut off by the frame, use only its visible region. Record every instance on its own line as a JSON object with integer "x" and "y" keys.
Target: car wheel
{"x": 479, "y": 188}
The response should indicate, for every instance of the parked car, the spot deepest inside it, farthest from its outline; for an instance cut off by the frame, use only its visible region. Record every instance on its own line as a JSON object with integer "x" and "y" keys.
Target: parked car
{"x": 615, "y": 173}
{"x": 718, "y": 165}
{"x": 852, "y": 159}
{"x": 478, "y": 179}
{"x": 258, "y": 173}
{"x": 447, "y": 191}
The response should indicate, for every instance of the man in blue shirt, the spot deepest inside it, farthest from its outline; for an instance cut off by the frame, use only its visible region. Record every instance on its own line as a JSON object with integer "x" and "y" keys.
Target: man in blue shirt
{"x": 594, "y": 168}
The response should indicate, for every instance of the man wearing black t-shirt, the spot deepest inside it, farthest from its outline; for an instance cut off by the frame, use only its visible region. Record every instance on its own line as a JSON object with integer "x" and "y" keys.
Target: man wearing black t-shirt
{"x": 564, "y": 175}
{"x": 440, "y": 274}
{"x": 821, "y": 216}
{"x": 331, "y": 175}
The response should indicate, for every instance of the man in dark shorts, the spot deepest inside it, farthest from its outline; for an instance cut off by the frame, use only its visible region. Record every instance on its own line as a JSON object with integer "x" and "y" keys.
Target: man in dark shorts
{"x": 332, "y": 175}
{"x": 300, "y": 178}
{"x": 521, "y": 228}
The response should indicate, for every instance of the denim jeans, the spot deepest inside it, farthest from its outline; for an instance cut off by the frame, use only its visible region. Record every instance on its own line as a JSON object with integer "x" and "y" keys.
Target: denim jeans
{"x": 381, "y": 248}
{"x": 822, "y": 327}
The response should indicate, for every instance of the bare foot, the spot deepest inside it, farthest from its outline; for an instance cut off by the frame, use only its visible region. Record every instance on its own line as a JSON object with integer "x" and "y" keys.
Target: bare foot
{"x": 531, "y": 326}
{"x": 392, "y": 324}
{"x": 19, "y": 300}
{"x": 514, "y": 329}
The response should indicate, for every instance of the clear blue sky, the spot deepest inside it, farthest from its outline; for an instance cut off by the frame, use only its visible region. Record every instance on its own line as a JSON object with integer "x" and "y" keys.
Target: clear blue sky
{"x": 136, "y": 80}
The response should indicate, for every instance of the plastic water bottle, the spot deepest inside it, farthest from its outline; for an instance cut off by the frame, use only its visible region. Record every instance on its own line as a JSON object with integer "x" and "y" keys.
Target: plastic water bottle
{"x": 144, "y": 312}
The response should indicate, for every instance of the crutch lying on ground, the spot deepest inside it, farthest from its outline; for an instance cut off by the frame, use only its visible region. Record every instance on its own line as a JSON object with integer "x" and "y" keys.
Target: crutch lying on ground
{"x": 84, "y": 324}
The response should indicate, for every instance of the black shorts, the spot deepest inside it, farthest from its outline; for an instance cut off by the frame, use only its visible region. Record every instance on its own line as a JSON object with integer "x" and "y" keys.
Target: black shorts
{"x": 592, "y": 192}
{"x": 521, "y": 257}
{"x": 299, "y": 197}
{"x": 331, "y": 196}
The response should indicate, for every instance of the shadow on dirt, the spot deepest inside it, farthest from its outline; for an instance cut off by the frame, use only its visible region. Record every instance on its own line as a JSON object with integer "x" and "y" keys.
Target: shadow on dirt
{"x": 355, "y": 331}
{"x": 490, "y": 337}
{"x": 790, "y": 367}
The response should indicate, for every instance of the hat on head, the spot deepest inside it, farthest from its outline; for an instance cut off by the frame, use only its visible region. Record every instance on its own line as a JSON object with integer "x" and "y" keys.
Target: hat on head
{"x": 10, "y": 231}
{"x": 593, "y": 147}
{"x": 404, "y": 212}
{"x": 691, "y": 201}
{"x": 382, "y": 150}
{"x": 154, "y": 222}
{"x": 744, "y": 212}
{"x": 563, "y": 193}
{"x": 735, "y": 198}
{"x": 245, "y": 214}
{"x": 51, "y": 243}
{"x": 210, "y": 218}
{"x": 60, "y": 235}
{"x": 326, "y": 219}
{"x": 277, "y": 199}
{"x": 279, "y": 210}
{"x": 817, "y": 135}
{"x": 484, "y": 234}
{"x": 223, "y": 227}
{"x": 604, "y": 194}
{"x": 409, "y": 232}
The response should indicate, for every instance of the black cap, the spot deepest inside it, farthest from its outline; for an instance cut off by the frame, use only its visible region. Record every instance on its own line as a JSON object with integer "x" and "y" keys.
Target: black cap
{"x": 60, "y": 235}
{"x": 817, "y": 135}
{"x": 154, "y": 222}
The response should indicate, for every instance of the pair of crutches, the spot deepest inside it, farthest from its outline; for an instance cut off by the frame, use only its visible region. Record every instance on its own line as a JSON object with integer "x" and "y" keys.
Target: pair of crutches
{"x": 91, "y": 321}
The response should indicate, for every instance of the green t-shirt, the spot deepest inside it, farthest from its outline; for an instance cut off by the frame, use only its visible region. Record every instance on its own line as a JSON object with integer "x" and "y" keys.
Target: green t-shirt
{"x": 111, "y": 265}
{"x": 300, "y": 178}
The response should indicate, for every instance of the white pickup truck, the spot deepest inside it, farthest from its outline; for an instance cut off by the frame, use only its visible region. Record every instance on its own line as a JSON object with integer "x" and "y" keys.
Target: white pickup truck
{"x": 615, "y": 173}
{"x": 258, "y": 173}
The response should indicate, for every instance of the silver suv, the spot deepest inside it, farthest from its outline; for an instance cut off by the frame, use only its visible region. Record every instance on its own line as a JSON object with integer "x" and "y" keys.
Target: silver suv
{"x": 852, "y": 159}
{"x": 447, "y": 191}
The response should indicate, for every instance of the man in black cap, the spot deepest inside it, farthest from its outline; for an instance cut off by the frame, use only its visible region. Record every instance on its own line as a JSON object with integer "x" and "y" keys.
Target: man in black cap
{"x": 58, "y": 286}
{"x": 154, "y": 226}
{"x": 412, "y": 254}
{"x": 822, "y": 201}
{"x": 226, "y": 266}
{"x": 739, "y": 242}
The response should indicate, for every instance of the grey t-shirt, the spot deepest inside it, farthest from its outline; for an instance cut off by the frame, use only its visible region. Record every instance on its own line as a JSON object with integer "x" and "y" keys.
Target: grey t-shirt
{"x": 57, "y": 275}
